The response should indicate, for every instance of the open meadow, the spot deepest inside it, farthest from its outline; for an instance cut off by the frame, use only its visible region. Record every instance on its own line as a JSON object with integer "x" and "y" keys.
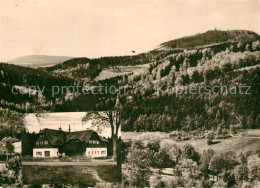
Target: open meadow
{"x": 247, "y": 140}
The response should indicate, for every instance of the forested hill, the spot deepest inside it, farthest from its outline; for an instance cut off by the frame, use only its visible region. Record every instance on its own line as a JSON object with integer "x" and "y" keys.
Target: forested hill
{"x": 216, "y": 40}
{"x": 229, "y": 58}
{"x": 90, "y": 68}
{"x": 230, "y": 63}
{"x": 20, "y": 87}
{"x": 211, "y": 37}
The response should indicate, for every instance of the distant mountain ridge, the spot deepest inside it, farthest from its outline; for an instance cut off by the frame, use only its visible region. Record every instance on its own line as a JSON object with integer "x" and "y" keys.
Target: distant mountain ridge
{"x": 201, "y": 40}
{"x": 210, "y": 37}
{"x": 36, "y": 61}
{"x": 218, "y": 58}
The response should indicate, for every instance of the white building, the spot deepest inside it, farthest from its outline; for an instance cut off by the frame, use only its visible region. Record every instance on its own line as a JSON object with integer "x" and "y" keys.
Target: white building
{"x": 55, "y": 143}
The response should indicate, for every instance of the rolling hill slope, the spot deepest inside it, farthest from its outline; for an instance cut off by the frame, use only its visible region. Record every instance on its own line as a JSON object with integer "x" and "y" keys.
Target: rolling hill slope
{"x": 234, "y": 61}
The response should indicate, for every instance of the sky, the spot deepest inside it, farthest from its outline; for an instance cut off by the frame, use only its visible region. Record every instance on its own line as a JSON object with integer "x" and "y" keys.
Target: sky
{"x": 63, "y": 120}
{"x": 111, "y": 28}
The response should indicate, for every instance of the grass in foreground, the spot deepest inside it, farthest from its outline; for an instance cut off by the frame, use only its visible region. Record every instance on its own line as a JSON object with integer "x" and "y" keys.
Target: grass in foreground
{"x": 86, "y": 175}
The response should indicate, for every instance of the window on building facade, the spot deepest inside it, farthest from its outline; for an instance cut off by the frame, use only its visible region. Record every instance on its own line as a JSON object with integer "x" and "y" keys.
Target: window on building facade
{"x": 38, "y": 153}
{"x": 47, "y": 153}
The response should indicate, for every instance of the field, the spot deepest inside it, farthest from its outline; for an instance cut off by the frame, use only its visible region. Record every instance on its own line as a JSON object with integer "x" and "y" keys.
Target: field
{"x": 236, "y": 144}
{"x": 251, "y": 133}
{"x": 248, "y": 140}
{"x": 122, "y": 70}
{"x": 77, "y": 174}
{"x": 134, "y": 135}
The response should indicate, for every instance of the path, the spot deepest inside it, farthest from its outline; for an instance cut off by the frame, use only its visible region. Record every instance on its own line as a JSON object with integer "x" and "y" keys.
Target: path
{"x": 94, "y": 163}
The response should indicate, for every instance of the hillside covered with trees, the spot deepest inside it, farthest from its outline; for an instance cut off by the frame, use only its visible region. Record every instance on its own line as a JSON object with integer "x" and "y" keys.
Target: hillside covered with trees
{"x": 208, "y": 82}
{"x": 232, "y": 64}
{"x": 227, "y": 58}
{"x": 211, "y": 37}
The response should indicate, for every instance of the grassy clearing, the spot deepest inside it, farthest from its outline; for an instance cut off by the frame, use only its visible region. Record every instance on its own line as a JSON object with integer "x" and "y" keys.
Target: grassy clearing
{"x": 236, "y": 144}
{"x": 248, "y": 141}
{"x": 135, "y": 135}
{"x": 251, "y": 133}
{"x": 122, "y": 70}
{"x": 85, "y": 175}
{"x": 106, "y": 74}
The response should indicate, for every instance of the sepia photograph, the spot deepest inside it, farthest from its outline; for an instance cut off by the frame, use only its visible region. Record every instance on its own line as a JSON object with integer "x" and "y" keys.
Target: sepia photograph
{"x": 70, "y": 148}
{"x": 133, "y": 93}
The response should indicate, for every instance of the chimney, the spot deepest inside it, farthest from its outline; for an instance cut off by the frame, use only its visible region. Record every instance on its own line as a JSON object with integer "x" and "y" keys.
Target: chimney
{"x": 60, "y": 128}
{"x": 69, "y": 128}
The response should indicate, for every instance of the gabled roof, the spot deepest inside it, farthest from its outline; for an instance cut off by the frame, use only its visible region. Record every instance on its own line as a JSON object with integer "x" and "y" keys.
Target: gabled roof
{"x": 83, "y": 136}
{"x": 103, "y": 139}
{"x": 54, "y": 136}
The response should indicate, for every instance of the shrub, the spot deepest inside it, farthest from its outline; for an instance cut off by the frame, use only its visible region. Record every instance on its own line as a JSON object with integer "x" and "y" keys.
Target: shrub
{"x": 189, "y": 152}
{"x": 65, "y": 159}
{"x": 210, "y": 135}
{"x": 14, "y": 164}
{"x": 209, "y": 142}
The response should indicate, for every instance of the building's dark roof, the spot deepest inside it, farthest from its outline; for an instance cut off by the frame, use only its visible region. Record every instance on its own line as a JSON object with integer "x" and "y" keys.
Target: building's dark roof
{"x": 102, "y": 139}
{"x": 83, "y": 136}
{"x": 55, "y": 135}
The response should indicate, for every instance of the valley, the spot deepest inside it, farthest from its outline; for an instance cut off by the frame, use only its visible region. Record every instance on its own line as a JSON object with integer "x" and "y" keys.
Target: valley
{"x": 168, "y": 139}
